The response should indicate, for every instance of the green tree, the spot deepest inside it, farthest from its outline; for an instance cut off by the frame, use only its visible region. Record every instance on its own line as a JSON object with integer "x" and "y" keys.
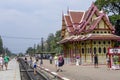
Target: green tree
{"x": 7, "y": 51}
{"x": 1, "y": 46}
{"x": 50, "y": 42}
{"x": 30, "y": 51}
{"x": 50, "y": 45}
{"x": 58, "y": 47}
{"x": 21, "y": 54}
{"x": 110, "y": 6}
{"x": 38, "y": 50}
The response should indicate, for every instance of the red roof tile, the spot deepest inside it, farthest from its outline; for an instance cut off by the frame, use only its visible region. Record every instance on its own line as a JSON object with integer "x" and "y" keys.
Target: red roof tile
{"x": 68, "y": 23}
{"x": 76, "y": 17}
{"x": 67, "y": 20}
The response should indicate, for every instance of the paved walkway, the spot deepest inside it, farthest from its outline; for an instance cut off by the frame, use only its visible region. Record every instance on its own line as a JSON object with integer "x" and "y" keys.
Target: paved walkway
{"x": 84, "y": 72}
{"x": 12, "y": 73}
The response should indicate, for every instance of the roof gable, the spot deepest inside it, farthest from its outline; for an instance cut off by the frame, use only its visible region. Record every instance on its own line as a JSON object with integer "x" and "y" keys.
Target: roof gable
{"x": 80, "y": 22}
{"x": 67, "y": 20}
{"x": 76, "y": 17}
{"x": 68, "y": 23}
{"x": 100, "y": 15}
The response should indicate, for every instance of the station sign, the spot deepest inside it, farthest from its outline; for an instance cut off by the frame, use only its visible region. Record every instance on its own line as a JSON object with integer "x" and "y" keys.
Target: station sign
{"x": 114, "y": 50}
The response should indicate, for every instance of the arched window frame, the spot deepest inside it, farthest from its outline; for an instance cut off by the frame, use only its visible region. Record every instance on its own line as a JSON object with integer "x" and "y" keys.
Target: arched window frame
{"x": 82, "y": 50}
{"x": 99, "y": 50}
{"x": 104, "y": 50}
{"x": 95, "y": 50}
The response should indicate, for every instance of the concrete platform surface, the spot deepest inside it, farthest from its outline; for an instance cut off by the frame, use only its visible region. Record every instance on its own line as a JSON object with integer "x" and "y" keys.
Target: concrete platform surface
{"x": 13, "y": 72}
{"x": 84, "y": 72}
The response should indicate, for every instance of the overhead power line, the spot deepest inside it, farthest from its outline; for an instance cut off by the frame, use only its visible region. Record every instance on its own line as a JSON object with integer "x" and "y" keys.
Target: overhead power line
{"x": 14, "y": 37}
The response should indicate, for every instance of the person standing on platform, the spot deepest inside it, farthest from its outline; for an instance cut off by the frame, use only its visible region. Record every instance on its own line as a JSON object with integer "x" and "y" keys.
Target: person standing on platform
{"x": 119, "y": 61}
{"x": 6, "y": 60}
{"x": 95, "y": 60}
{"x": 108, "y": 62}
{"x": 26, "y": 60}
{"x": 56, "y": 61}
{"x": 77, "y": 60}
{"x": 1, "y": 62}
{"x": 41, "y": 59}
{"x": 35, "y": 66}
{"x": 50, "y": 58}
{"x": 30, "y": 62}
{"x": 60, "y": 63}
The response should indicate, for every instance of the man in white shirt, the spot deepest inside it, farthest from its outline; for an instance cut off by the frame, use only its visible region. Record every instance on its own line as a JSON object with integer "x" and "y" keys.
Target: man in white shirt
{"x": 1, "y": 62}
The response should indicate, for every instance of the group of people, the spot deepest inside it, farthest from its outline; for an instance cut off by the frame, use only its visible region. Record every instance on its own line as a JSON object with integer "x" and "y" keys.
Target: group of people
{"x": 59, "y": 62}
{"x": 32, "y": 63}
{"x": 96, "y": 61}
{"x": 4, "y": 61}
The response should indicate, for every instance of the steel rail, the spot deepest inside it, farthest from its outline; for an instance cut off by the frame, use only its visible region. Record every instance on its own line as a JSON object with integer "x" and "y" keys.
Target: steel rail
{"x": 29, "y": 73}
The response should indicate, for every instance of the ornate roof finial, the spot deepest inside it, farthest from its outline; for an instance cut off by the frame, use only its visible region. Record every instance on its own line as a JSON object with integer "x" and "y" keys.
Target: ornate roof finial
{"x": 62, "y": 16}
{"x": 68, "y": 10}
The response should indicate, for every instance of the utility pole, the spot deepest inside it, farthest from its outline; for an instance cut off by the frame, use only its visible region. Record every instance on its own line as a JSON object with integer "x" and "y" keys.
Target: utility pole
{"x": 34, "y": 49}
{"x": 41, "y": 51}
{"x": 5, "y": 52}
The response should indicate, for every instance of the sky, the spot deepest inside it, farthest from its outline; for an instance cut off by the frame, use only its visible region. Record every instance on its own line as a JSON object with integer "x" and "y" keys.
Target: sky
{"x": 24, "y": 22}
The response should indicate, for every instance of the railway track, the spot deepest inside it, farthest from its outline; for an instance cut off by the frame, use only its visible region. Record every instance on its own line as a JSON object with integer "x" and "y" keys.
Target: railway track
{"x": 27, "y": 72}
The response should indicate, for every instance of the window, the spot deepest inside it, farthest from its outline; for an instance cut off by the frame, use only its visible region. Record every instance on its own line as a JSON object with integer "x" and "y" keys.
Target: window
{"x": 82, "y": 43}
{"x": 108, "y": 42}
{"x": 94, "y": 42}
{"x": 103, "y": 42}
{"x": 99, "y": 42}
{"x": 99, "y": 50}
{"x": 82, "y": 50}
{"x": 88, "y": 50}
{"x": 104, "y": 50}
{"x": 95, "y": 50}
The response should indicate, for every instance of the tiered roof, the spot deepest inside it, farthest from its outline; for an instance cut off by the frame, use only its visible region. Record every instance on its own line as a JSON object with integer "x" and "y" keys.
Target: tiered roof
{"x": 76, "y": 23}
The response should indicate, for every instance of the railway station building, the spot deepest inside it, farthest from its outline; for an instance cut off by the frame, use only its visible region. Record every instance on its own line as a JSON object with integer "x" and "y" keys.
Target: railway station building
{"x": 85, "y": 33}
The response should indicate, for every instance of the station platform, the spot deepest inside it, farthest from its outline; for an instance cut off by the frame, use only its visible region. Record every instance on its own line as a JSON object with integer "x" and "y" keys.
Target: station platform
{"x": 12, "y": 73}
{"x": 83, "y": 72}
